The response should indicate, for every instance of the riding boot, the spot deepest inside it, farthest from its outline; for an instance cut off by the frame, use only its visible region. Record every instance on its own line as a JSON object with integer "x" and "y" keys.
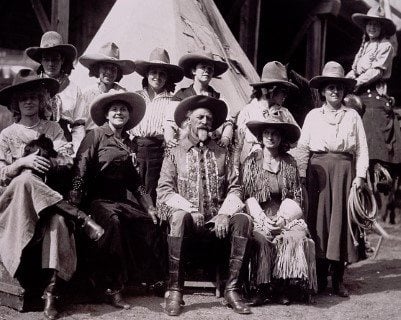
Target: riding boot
{"x": 50, "y": 297}
{"x": 337, "y": 279}
{"x": 231, "y": 293}
{"x": 322, "y": 269}
{"x": 91, "y": 228}
{"x": 174, "y": 295}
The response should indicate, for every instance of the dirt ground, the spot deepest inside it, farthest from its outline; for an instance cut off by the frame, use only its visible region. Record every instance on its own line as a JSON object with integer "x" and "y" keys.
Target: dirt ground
{"x": 375, "y": 287}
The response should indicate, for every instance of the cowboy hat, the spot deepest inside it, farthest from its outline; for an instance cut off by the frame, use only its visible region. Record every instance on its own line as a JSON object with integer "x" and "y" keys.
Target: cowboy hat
{"x": 274, "y": 73}
{"x": 190, "y": 60}
{"x": 377, "y": 14}
{"x": 27, "y": 79}
{"x": 135, "y": 103}
{"x": 289, "y": 132}
{"x": 217, "y": 107}
{"x": 333, "y": 72}
{"x": 108, "y": 53}
{"x": 159, "y": 58}
{"x": 51, "y": 41}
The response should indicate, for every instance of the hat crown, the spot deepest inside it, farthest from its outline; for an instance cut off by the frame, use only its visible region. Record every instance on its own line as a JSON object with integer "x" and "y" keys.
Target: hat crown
{"x": 376, "y": 12}
{"x": 274, "y": 117}
{"x": 159, "y": 55}
{"x": 24, "y": 75}
{"x": 110, "y": 49}
{"x": 51, "y": 39}
{"x": 333, "y": 69}
{"x": 274, "y": 70}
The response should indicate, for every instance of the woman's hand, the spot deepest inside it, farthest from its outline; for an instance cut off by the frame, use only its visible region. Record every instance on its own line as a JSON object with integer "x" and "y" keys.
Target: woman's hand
{"x": 172, "y": 143}
{"x": 224, "y": 142}
{"x": 66, "y": 148}
{"x": 199, "y": 219}
{"x": 358, "y": 182}
{"x": 35, "y": 162}
{"x": 152, "y": 213}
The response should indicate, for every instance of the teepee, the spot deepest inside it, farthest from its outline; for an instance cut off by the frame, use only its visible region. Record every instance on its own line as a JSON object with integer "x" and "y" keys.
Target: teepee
{"x": 179, "y": 26}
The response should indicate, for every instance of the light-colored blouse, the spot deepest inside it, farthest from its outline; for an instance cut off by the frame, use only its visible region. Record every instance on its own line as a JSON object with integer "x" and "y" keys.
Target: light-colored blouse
{"x": 158, "y": 111}
{"x": 326, "y": 130}
{"x": 14, "y": 138}
{"x": 372, "y": 62}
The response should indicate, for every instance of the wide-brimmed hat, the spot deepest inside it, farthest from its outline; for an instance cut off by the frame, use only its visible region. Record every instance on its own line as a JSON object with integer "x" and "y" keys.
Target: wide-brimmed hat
{"x": 375, "y": 13}
{"x": 135, "y": 103}
{"x": 51, "y": 41}
{"x": 27, "y": 79}
{"x": 289, "y": 131}
{"x": 108, "y": 53}
{"x": 217, "y": 107}
{"x": 274, "y": 73}
{"x": 159, "y": 58}
{"x": 190, "y": 60}
{"x": 333, "y": 72}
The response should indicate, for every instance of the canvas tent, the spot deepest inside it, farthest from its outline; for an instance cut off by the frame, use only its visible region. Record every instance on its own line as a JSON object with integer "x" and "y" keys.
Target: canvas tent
{"x": 179, "y": 26}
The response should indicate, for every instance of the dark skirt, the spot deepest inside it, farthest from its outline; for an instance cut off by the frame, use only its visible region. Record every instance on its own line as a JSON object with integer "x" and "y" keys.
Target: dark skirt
{"x": 132, "y": 248}
{"x": 329, "y": 180}
{"x": 150, "y": 152}
{"x": 382, "y": 128}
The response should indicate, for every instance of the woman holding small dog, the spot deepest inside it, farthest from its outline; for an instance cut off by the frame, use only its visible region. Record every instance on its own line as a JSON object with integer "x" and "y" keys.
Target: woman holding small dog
{"x": 283, "y": 254}
{"x": 31, "y": 213}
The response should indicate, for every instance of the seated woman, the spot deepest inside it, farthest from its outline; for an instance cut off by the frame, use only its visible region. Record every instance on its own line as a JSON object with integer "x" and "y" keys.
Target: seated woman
{"x": 132, "y": 247}
{"x": 282, "y": 248}
{"x": 32, "y": 214}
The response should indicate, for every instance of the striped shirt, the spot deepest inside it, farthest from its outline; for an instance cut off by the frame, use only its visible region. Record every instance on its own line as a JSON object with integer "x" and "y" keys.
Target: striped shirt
{"x": 157, "y": 112}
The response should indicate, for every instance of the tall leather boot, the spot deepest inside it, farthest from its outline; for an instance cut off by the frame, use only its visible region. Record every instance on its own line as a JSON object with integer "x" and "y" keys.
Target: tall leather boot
{"x": 337, "y": 279}
{"x": 231, "y": 293}
{"x": 91, "y": 228}
{"x": 322, "y": 270}
{"x": 173, "y": 296}
{"x": 50, "y": 297}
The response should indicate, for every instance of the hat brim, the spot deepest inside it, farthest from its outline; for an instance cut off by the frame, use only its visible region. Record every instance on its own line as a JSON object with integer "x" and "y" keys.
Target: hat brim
{"x": 175, "y": 73}
{"x": 68, "y": 51}
{"x": 218, "y": 108}
{"x": 88, "y": 60}
{"x": 273, "y": 82}
{"x": 51, "y": 85}
{"x": 319, "y": 81}
{"x": 290, "y": 132}
{"x": 136, "y": 105}
{"x": 361, "y": 19}
{"x": 189, "y": 61}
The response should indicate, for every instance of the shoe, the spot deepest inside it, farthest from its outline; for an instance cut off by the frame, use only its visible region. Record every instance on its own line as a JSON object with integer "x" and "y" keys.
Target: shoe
{"x": 116, "y": 299}
{"x": 259, "y": 299}
{"x": 92, "y": 229}
{"x": 174, "y": 303}
{"x": 284, "y": 300}
{"x": 341, "y": 291}
{"x": 235, "y": 301}
{"x": 50, "y": 310}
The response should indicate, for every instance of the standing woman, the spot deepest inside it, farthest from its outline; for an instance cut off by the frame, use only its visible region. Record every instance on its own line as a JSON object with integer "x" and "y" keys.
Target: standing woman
{"x": 131, "y": 248}
{"x": 371, "y": 70}
{"x": 150, "y": 135}
{"x": 56, "y": 61}
{"x": 107, "y": 66}
{"x": 333, "y": 155}
{"x": 32, "y": 224}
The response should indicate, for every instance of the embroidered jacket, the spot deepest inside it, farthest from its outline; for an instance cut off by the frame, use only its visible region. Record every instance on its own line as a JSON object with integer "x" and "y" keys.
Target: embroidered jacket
{"x": 203, "y": 177}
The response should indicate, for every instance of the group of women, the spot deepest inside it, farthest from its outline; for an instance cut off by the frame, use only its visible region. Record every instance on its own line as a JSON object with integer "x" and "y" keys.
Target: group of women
{"x": 111, "y": 143}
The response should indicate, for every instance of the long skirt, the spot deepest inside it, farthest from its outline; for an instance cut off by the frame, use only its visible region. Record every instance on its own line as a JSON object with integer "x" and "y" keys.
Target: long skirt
{"x": 150, "y": 152}
{"x": 329, "y": 179}
{"x": 382, "y": 128}
{"x": 132, "y": 249}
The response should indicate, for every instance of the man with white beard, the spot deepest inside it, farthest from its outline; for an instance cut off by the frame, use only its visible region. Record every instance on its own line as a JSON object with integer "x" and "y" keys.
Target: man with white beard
{"x": 199, "y": 195}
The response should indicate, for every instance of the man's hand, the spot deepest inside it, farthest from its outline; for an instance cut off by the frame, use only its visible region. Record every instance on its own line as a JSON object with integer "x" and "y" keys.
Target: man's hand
{"x": 224, "y": 142}
{"x": 358, "y": 182}
{"x": 221, "y": 225}
{"x": 199, "y": 219}
{"x": 172, "y": 143}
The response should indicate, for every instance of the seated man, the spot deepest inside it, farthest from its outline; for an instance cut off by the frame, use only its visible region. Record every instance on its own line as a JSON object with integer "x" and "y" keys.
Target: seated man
{"x": 198, "y": 194}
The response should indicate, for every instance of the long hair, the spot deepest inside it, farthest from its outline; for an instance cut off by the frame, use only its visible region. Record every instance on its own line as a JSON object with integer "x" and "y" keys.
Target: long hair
{"x": 43, "y": 97}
